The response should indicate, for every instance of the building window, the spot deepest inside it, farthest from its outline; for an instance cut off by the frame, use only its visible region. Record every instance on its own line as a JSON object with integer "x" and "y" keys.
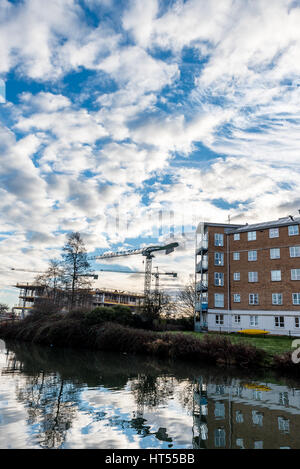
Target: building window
{"x": 275, "y": 253}
{"x": 251, "y": 235}
{"x": 295, "y": 251}
{"x": 220, "y": 438}
{"x": 236, "y": 236}
{"x": 253, "y": 299}
{"x": 219, "y": 279}
{"x": 219, "y": 300}
{"x": 219, "y": 239}
{"x": 236, "y": 298}
{"x": 296, "y": 298}
{"x": 297, "y": 321}
{"x": 293, "y": 230}
{"x": 283, "y": 424}
{"x": 252, "y": 276}
{"x": 253, "y": 320}
{"x": 237, "y": 319}
{"x": 219, "y": 319}
{"x": 236, "y": 256}
{"x": 258, "y": 444}
{"x": 257, "y": 418}
{"x": 279, "y": 321}
{"x": 236, "y": 276}
{"x": 275, "y": 275}
{"x": 219, "y": 258}
{"x": 252, "y": 255}
{"x": 239, "y": 418}
{"x": 240, "y": 443}
{"x": 295, "y": 274}
{"x": 276, "y": 298}
{"x": 219, "y": 410}
{"x": 273, "y": 232}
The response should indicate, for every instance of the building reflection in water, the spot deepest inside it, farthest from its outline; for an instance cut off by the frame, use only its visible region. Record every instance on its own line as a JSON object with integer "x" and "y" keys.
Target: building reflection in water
{"x": 243, "y": 415}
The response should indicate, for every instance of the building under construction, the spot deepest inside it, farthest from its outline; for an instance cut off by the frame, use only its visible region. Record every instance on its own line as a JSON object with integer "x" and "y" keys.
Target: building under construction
{"x": 30, "y": 295}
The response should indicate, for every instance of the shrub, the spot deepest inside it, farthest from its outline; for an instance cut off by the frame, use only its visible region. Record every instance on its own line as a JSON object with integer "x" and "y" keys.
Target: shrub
{"x": 120, "y": 314}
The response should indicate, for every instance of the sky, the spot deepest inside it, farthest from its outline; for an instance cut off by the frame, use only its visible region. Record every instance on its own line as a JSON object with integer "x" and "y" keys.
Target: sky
{"x": 130, "y": 121}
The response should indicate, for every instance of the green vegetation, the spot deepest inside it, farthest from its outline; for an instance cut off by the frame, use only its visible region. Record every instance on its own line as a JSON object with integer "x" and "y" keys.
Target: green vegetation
{"x": 271, "y": 344}
{"x": 117, "y": 329}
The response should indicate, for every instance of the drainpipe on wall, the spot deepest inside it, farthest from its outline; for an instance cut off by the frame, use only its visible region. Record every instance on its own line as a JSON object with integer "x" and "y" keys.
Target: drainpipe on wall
{"x": 228, "y": 279}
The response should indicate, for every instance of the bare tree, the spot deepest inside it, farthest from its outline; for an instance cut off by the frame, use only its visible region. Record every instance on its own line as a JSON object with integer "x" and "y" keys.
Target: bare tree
{"x": 3, "y": 308}
{"x": 185, "y": 304}
{"x": 76, "y": 267}
{"x": 53, "y": 280}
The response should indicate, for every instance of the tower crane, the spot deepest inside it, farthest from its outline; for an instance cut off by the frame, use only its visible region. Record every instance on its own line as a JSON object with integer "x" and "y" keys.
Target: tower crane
{"x": 146, "y": 252}
{"x": 42, "y": 272}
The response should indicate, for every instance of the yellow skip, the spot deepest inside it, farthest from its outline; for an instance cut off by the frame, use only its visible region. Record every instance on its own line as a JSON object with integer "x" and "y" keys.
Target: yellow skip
{"x": 257, "y": 387}
{"x": 253, "y": 331}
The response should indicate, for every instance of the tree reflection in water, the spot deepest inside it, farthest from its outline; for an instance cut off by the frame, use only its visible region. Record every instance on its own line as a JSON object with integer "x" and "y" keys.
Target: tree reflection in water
{"x": 53, "y": 381}
{"x": 59, "y": 386}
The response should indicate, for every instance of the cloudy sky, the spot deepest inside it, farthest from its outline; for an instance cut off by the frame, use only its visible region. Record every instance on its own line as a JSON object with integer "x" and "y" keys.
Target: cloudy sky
{"x": 116, "y": 112}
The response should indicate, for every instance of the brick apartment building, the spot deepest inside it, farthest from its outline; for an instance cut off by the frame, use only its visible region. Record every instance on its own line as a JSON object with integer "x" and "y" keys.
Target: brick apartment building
{"x": 248, "y": 276}
{"x": 241, "y": 415}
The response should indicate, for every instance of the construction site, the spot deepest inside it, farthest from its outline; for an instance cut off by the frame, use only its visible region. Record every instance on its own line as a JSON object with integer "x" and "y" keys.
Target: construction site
{"x": 35, "y": 293}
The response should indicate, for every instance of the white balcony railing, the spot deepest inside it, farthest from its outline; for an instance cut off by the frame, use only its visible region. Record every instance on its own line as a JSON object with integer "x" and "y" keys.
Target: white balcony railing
{"x": 202, "y": 245}
{"x": 202, "y": 286}
{"x": 202, "y": 265}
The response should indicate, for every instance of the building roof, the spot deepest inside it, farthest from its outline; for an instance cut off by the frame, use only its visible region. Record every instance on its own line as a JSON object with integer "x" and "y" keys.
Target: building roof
{"x": 285, "y": 221}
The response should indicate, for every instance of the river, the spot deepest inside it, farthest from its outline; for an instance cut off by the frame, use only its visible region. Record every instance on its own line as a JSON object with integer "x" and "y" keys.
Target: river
{"x": 70, "y": 399}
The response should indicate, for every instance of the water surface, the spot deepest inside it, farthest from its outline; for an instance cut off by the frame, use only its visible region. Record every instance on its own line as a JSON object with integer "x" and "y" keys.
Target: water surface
{"x": 70, "y": 399}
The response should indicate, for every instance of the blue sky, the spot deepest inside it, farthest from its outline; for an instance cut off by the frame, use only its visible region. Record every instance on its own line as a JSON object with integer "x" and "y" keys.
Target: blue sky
{"x": 129, "y": 108}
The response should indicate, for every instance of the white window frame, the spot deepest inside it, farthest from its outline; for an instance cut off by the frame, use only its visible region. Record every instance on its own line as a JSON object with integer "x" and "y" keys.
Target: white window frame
{"x": 279, "y": 321}
{"x": 236, "y": 276}
{"x": 295, "y": 251}
{"x": 297, "y": 322}
{"x": 219, "y": 319}
{"x": 254, "y": 321}
{"x": 274, "y": 233}
{"x": 275, "y": 253}
{"x": 219, "y": 239}
{"x": 217, "y": 298}
{"x": 295, "y": 274}
{"x": 277, "y": 299}
{"x": 236, "y": 298}
{"x": 293, "y": 230}
{"x": 251, "y": 256}
{"x": 296, "y": 298}
{"x": 257, "y": 418}
{"x": 236, "y": 237}
{"x": 237, "y": 318}
{"x": 253, "y": 298}
{"x": 251, "y": 235}
{"x": 283, "y": 424}
{"x": 275, "y": 275}
{"x": 219, "y": 258}
{"x": 219, "y": 279}
{"x": 252, "y": 277}
{"x": 236, "y": 256}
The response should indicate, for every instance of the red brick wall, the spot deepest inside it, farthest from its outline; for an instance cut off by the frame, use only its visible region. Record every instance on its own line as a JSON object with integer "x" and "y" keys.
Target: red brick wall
{"x": 264, "y": 264}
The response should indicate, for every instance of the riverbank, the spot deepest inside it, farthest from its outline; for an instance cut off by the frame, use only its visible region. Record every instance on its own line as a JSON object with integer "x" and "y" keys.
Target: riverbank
{"x": 92, "y": 332}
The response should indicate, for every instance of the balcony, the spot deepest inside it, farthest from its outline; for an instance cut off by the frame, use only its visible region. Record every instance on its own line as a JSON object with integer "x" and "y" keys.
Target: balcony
{"x": 202, "y": 266}
{"x": 202, "y": 246}
{"x": 204, "y": 306}
{"x": 202, "y": 286}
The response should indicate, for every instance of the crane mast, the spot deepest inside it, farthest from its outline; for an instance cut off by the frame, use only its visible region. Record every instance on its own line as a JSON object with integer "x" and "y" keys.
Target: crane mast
{"x": 146, "y": 252}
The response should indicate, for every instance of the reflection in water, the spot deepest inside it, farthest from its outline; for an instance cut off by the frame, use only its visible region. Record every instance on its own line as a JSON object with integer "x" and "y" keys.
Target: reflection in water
{"x": 81, "y": 399}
